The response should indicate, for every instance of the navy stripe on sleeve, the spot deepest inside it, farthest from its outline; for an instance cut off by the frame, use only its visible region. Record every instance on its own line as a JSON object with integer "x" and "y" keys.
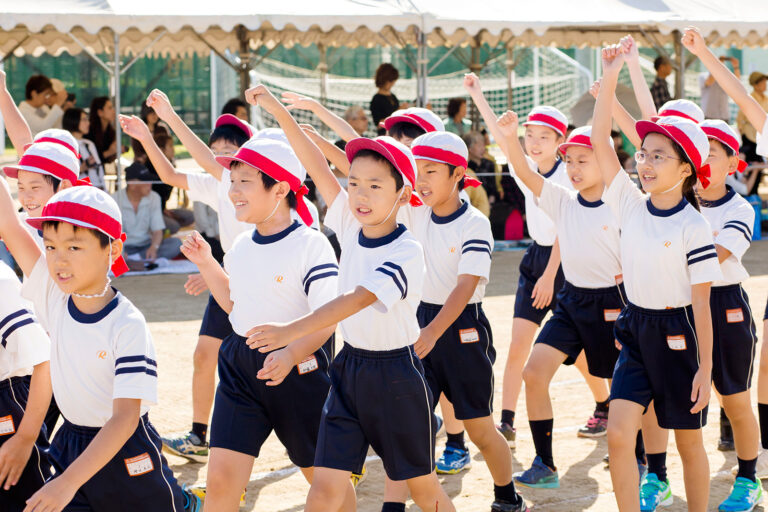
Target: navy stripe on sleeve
{"x": 477, "y": 241}
{"x": 739, "y": 228}
{"x": 315, "y": 269}
{"x": 478, "y": 249}
{"x": 403, "y": 288}
{"x": 12, "y": 328}
{"x": 136, "y": 369}
{"x": 399, "y": 271}
{"x": 700, "y": 249}
{"x": 134, "y": 359}
{"x": 702, "y": 258}
{"x": 15, "y": 314}
{"x": 742, "y": 224}
{"x": 315, "y": 277}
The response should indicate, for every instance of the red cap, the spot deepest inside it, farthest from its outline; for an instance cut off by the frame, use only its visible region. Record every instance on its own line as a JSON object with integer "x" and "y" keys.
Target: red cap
{"x": 581, "y": 136}
{"x": 549, "y": 117}
{"x": 224, "y": 119}
{"x": 720, "y": 131}
{"x": 686, "y": 134}
{"x": 57, "y": 136}
{"x": 421, "y": 117}
{"x": 681, "y": 108}
{"x": 446, "y": 148}
{"x": 396, "y": 153}
{"x": 48, "y": 158}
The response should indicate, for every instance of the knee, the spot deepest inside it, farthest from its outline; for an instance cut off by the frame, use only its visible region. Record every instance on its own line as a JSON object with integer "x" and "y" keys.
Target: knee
{"x": 688, "y": 445}
{"x": 205, "y": 356}
{"x": 323, "y": 491}
{"x": 621, "y": 436}
{"x": 533, "y": 376}
{"x": 425, "y": 495}
{"x": 220, "y": 479}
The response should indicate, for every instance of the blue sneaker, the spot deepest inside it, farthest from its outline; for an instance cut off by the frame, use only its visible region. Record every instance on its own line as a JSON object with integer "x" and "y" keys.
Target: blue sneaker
{"x": 452, "y": 461}
{"x": 654, "y": 493}
{"x": 186, "y": 445}
{"x": 440, "y": 425}
{"x": 539, "y": 476}
{"x": 745, "y": 494}
{"x": 192, "y": 502}
{"x": 642, "y": 469}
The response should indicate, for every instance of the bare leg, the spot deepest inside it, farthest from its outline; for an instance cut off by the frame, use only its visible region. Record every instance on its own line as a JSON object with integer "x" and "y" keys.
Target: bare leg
{"x": 690, "y": 445}
{"x": 738, "y": 407}
{"x": 429, "y": 494}
{"x": 228, "y": 474}
{"x": 623, "y": 423}
{"x": 205, "y": 359}
{"x": 523, "y": 332}
{"x": 350, "y": 500}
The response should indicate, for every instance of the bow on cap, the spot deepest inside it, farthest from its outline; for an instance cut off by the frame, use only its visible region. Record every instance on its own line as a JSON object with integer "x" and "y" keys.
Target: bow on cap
{"x": 704, "y": 173}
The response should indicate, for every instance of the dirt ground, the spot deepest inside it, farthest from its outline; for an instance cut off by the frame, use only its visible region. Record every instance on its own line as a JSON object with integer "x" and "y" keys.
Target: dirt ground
{"x": 276, "y": 485}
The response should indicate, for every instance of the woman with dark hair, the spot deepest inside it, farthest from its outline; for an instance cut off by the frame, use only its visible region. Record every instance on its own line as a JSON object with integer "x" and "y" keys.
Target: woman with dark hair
{"x": 384, "y": 102}
{"x": 76, "y": 122}
{"x": 456, "y": 122}
{"x": 102, "y": 129}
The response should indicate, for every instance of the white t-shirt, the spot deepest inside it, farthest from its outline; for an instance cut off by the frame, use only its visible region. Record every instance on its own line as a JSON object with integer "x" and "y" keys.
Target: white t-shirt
{"x": 280, "y": 277}
{"x": 731, "y": 219}
{"x": 94, "y": 168}
{"x": 23, "y": 342}
{"x": 714, "y": 100}
{"x": 589, "y": 236}
{"x": 95, "y": 358}
{"x": 762, "y": 140}
{"x": 390, "y": 267}
{"x": 540, "y": 226}
{"x": 36, "y": 234}
{"x": 215, "y": 193}
{"x": 663, "y": 252}
{"x": 41, "y": 118}
{"x": 460, "y": 243}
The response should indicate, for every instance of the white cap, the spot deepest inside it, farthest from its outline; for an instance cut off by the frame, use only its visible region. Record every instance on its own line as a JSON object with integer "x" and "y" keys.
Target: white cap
{"x": 57, "y": 136}
{"x": 549, "y": 117}
{"x": 47, "y": 158}
{"x": 681, "y": 108}
{"x": 421, "y": 117}
{"x": 443, "y": 147}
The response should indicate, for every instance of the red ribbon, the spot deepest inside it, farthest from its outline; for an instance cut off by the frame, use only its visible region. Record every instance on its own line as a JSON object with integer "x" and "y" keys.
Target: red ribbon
{"x": 469, "y": 181}
{"x": 704, "y": 173}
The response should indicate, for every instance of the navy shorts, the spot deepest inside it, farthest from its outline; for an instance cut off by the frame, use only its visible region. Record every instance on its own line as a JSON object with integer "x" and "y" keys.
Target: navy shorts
{"x": 246, "y": 410}
{"x": 583, "y": 320}
{"x": 461, "y": 363}
{"x": 13, "y": 401}
{"x": 531, "y": 268}
{"x": 658, "y": 360}
{"x": 137, "y": 478}
{"x": 734, "y": 339}
{"x": 378, "y": 399}
{"x": 215, "y": 321}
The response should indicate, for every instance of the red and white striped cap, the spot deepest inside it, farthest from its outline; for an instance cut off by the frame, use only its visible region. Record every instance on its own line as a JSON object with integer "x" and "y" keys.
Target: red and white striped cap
{"x": 720, "y": 131}
{"x": 446, "y": 148}
{"x": 687, "y": 134}
{"x": 396, "y": 153}
{"x": 277, "y": 160}
{"x": 549, "y": 117}
{"x": 581, "y": 136}
{"x": 225, "y": 119}
{"x": 87, "y": 207}
{"x": 681, "y": 108}
{"x": 57, "y": 136}
{"x": 421, "y": 117}
{"x": 47, "y": 158}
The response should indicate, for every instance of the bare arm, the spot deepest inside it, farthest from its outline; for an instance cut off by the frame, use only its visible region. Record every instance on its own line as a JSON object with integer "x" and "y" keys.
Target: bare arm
{"x": 507, "y": 127}
{"x": 642, "y": 92}
{"x": 23, "y": 247}
{"x": 472, "y": 85}
{"x": 136, "y": 128}
{"x": 622, "y": 117}
{"x": 601, "y": 122}
{"x": 342, "y": 128}
{"x": 198, "y": 251}
{"x": 15, "y": 124}
{"x": 331, "y": 151}
{"x": 702, "y": 318}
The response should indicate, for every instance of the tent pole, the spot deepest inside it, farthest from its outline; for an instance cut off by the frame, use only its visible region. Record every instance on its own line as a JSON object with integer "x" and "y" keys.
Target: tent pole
{"x": 475, "y": 67}
{"x": 421, "y": 65}
{"x": 118, "y": 130}
{"x": 245, "y": 79}
{"x": 90, "y": 53}
{"x": 322, "y": 67}
{"x": 510, "y": 64}
{"x": 679, "y": 65}
{"x": 214, "y": 87}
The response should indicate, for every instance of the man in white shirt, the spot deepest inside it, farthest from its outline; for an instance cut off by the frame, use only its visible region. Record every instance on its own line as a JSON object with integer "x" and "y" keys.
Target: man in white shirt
{"x": 714, "y": 100}
{"x": 42, "y": 106}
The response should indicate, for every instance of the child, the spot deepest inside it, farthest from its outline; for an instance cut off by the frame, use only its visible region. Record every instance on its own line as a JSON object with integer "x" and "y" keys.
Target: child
{"x": 25, "y": 352}
{"x": 664, "y": 239}
{"x": 296, "y": 267}
{"x": 379, "y": 396}
{"x": 107, "y": 454}
{"x": 541, "y": 276}
{"x": 592, "y": 296}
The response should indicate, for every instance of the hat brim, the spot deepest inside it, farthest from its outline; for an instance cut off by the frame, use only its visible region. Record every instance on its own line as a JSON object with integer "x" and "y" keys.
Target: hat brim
{"x": 393, "y": 120}
{"x": 565, "y": 145}
{"x": 12, "y": 171}
{"x": 37, "y": 222}
{"x": 542, "y": 123}
{"x": 645, "y": 127}
{"x": 354, "y": 146}
{"x": 229, "y": 119}
{"x": 226, "y": 161}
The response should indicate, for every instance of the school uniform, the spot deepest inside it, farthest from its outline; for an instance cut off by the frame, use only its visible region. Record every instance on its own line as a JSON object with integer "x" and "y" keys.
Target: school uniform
{"x": 461, "y": 362}
{"x": 274, "y": 278}
{"x": 543, "y": 232}
{"x": 95, "y": 359}
{"x": 379, "y": 396}
{"x": 23, "y": 344}
{"x": 663, "y": 253}
{"x": 37, "y": 234}
{"x": 733, "y": 326}
{"x": 592, "y": 296}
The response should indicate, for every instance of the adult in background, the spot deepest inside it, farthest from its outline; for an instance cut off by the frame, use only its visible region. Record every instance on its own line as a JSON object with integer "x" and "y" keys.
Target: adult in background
{"x": 660, "y": 88}
{"x": 42, "y": 107}
{"x": 357, "y": 119}
{"x": 758, "y": 82}
{"x": 457, "y": 121}
{"x": 237, "y": 108}
{"x": 77, "y": 123}
{"x": 714, "y": 100}
{"x": 102, "y": 128}
{"x": 143, "y": 217}
{"x": 484, "y": 168}
{"x": 384, "y": 102}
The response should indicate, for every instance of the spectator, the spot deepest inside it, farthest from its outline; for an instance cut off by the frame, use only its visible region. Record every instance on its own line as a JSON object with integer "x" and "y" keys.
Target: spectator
{"x": 143, "y": 218}
{"x": 384, "y": 102}
{"x": 155, "y": 125}
{"x": 207, "y": 224}
{"x": 660, "y": 88}
{"x": 478, "y": 196}
{"x": 70, "y": 102}
{"x": 357, "y": 119}
{"x": 748, "y": 132}
{"x": 484, "y": 168}
{"x": 102, "y": 130}
{"x": 714, "y": 100}
{"x": 237, "y": 108}
{"x": 42, "y": 107}
{"x": 76, "y": 122}
{"x": 457, "y": 121}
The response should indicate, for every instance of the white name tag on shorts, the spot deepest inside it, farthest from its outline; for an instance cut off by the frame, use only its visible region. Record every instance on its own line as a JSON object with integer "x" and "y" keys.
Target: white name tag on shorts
{"x": 6, "y": 426}
{"x": 734, "y": 316}
{"x": 676, "y": 342}
{"x": 307, "y": 365}
{"x": 611, "y": 315}
{"x": 139, "y": 465}
{"x": 469, "y": 335}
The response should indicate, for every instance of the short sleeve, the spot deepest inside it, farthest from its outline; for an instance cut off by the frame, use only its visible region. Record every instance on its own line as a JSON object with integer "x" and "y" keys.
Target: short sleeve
{"x": 703, "y": 265}
{"x": 20, "y": 333}
{"x": 135, "y": 363}
{"x": 523, "y": 188}
{"x": 622, "y": 196}
{"x": 204, "y": 188}
{"x": 553, "y": 199}
{"x": 396, "y": 276}
{"x": 736, "y": 234}
{"x": 340, "y": 219}
{"x": 40, "y": 289}
{"x": 156, "y": 221}
{"x": 321, "y": 273}
{"x": 762, "y": 139}
{"x": 476, "y": 249}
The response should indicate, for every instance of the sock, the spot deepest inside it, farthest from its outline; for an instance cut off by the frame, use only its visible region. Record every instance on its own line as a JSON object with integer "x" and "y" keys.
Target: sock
{"x": 640, "y": 448}
{"x": 200, "y": 430}
{"x": 392, "y": 506}
{"x": 657, "y": 464}
{"x": 602, "y": 406}
{"x": 508, "y": 417}
{"x": 747, "y": 469}
{"x": 541, "y": 431}
{"x": 456, "y": 441}
{"x": 762, "y": 412}
{"x": 506, "y": 492}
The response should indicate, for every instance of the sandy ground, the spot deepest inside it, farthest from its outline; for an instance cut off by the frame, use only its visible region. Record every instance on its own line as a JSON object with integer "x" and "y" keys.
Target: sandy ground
{"x": 276, "y": 485}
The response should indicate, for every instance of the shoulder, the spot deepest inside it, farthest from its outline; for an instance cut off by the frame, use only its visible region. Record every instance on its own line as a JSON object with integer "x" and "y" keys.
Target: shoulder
{"x": 476, "y": 222}
{"x": 9, "y": 283}
{"x": 129, "y": 320}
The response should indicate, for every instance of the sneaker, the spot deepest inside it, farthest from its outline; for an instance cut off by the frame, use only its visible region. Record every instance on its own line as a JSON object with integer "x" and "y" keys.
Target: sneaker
{"x": 508, "y": 506}
{"x": 596, "y": 425}
{"x": 745, "y": 494}
{"x": 642, "y": 469}
{"x": 539, "y": 476}
{"x": 725, "y": 443}
{"x": 440, "y": 425}
{"x": 357, "y": 478}
{"x": 761, "y": 469}
{"x": 200, "y": 490}
{"x": 192, "y": 502}
{"x": 654, "y": 493}
{"x": 452, "y": 461}
{"x": 509, "y": 433}
{"x": 188, "y": 446}
{"x": 607, "y": 460}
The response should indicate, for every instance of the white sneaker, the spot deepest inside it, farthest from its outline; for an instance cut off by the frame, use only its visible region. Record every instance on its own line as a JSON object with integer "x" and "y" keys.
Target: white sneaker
{"x": 761, "y": 470}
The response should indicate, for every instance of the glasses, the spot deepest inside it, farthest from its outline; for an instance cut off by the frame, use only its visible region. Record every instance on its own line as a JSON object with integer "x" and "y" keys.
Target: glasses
{"x": 653, "y": 158}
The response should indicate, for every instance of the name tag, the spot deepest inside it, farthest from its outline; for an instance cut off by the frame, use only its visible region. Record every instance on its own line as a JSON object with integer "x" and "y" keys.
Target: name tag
{"x": 469, "y": 335}
{"x": 6, "y": 426}
{"x": 307, "y": 365}
{"x": 139, "y": 465}
{"x": 734, "y": 316}
{"x": 676, "y": 342}
{"x": 611, "y": 315}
